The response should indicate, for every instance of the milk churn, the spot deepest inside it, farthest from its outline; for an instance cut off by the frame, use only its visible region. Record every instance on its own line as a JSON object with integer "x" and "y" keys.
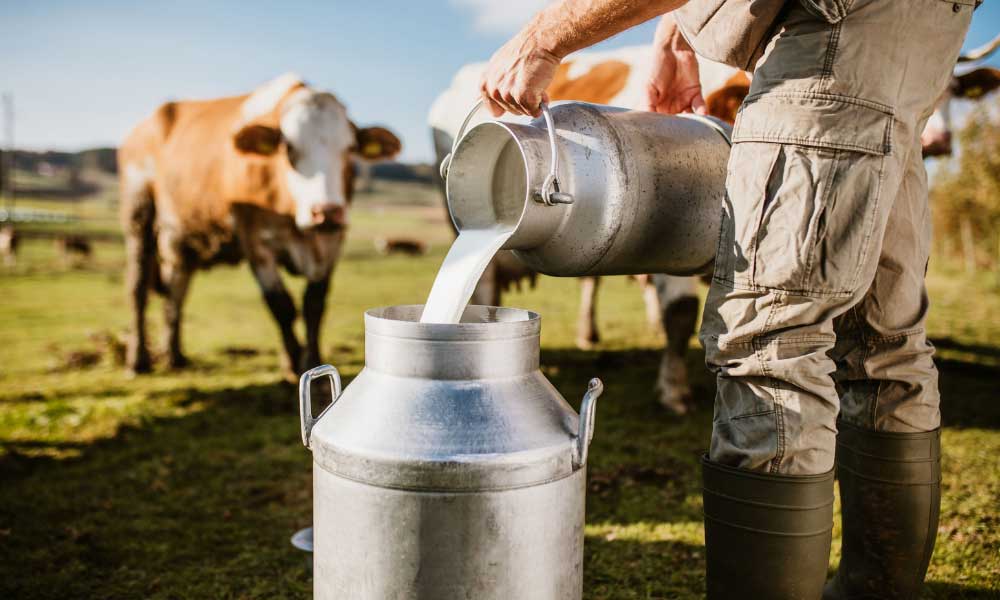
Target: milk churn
{"x": 595, "y": 190}
{"x": 450, "y": 468}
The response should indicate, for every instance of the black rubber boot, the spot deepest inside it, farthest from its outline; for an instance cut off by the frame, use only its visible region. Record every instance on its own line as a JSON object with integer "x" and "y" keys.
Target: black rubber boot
{"x": 890, "y": 492}
{"x": 767, "y": 537}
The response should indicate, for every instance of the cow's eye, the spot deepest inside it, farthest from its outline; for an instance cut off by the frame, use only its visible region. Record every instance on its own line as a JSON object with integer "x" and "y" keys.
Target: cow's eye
{"x": 293, "y": 155}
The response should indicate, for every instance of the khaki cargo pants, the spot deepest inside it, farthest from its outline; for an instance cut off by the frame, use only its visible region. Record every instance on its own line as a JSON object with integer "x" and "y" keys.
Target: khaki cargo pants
{"x": 817, "y": 304}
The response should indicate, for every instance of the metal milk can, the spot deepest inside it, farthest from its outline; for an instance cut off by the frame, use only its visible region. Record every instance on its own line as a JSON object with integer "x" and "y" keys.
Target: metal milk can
{"x": 595, "y": 190}
{"x": 450, "y": 468}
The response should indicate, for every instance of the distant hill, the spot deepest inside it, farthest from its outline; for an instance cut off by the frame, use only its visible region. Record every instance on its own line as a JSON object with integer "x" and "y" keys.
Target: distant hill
{"x": 100, "y": 159}
{"x": 50, "y": 163}
{"x": 75, "y": 175}
{"x": 397, "y": 171}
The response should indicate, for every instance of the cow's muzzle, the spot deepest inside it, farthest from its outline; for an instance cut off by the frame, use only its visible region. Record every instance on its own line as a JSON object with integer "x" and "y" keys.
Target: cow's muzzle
{"x": 937, "y": 143}
{"x": 329, "y": 216}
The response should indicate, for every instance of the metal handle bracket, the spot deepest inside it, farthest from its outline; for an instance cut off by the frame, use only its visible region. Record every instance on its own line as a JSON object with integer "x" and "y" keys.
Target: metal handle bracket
{"x": 549, "y": 193}
{"x": 306, "y": 419}
{"x": 586, "y": 432}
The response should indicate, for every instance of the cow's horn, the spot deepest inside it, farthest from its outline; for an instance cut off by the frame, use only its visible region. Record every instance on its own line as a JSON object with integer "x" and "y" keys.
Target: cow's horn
{"x": 981, "y": 52}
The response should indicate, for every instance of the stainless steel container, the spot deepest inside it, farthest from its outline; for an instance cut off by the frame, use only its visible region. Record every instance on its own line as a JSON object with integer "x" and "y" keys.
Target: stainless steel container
{"x": 450, "y": 468}
{"x": 595, "y": 190}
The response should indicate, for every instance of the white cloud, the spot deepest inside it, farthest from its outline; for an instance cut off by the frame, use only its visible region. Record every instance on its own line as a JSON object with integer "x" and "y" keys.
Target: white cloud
{"x": 500, "y": 16}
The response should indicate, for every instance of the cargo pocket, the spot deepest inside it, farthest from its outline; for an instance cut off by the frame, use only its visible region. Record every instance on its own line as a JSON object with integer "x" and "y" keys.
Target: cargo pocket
{"x": 832, "y": 11}
{"x": 806, "y": 208}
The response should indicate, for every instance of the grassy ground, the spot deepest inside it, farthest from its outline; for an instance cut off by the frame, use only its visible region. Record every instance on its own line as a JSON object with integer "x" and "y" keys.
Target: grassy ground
{"x": 188, "y": 485}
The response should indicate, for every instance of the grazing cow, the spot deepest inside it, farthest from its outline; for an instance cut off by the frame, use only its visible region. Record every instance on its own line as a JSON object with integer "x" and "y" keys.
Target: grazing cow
{"x": 265, "y": 176}
{"x": 406, "y": 246}
{"x": 9, "y": 240}
{"x": 72, "y": 248}
{"x": 971, "y": 85}
{"x": 619, "y": 78}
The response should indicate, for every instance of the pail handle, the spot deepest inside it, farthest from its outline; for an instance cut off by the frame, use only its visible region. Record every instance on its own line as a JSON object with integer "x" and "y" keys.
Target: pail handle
{"x": 305, "y": 397}
{"x": 549, "y": 193}
{"x": 588, "y": 409}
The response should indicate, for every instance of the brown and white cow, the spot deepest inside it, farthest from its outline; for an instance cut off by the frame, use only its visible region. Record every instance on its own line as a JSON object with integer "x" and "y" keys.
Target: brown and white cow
{"x": 266, "y": 177}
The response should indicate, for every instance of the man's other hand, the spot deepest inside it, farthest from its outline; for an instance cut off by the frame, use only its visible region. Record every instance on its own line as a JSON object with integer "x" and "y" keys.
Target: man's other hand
{"x": 516, "y": 77}
{"x": 674, "y": 85}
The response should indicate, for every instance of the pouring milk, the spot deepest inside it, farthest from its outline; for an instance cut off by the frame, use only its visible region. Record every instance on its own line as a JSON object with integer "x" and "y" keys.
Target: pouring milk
{"x": 474, "y": 247}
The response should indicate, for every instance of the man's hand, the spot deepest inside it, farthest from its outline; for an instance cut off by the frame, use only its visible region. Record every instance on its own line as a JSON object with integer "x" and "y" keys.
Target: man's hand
{"x": 674, "y": 85}
{"x": 518, "y": 74}
{"x": 516, "y": 77}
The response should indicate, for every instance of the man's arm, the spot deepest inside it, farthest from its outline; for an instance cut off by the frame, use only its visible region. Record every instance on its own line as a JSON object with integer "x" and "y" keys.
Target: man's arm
{"x": 674, "y": 83}
{"x": 518, "y": 73}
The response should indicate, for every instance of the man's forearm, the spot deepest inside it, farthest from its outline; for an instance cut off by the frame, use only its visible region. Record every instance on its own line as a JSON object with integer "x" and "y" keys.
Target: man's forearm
{"x": 570, "y": 25}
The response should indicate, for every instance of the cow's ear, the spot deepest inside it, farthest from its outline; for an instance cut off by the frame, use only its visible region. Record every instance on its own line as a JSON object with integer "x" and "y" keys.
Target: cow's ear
{"x": 376, "y": 143}
{"x": 258, "y": 139}
{"x": 725, "y": 102}
{"x": 977, "y": 83}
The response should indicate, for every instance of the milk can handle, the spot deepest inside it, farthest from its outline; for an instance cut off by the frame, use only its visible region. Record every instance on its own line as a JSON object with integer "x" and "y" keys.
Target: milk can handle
{"x": 549, "y": 194}
{"x": 305, "y": 397}
{"x": 587, "y": 410}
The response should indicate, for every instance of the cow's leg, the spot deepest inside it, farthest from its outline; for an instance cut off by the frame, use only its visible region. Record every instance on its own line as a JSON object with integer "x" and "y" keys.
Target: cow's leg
{"x": 680, "y": 315}
{"x": 313, "y": 306}
{"x": 282, "y": 307}
{"x": 651, "y": 300}
{"x": 176, "y": 279}
{"x": 586, "y": 322}
{"x": 140, "y": 261}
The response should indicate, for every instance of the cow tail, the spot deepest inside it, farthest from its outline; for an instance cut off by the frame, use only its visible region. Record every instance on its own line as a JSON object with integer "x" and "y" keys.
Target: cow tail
{"x": 149, "y": 254}
{"x": 139, "y": 223}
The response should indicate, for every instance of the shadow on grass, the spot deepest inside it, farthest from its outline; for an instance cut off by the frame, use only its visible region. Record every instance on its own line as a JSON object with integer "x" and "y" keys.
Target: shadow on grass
{"x": 625, "y": 569}
{"x": 934, "y": 590}
{"x": 203, "y": 504}
{"x": 969, "y": 394}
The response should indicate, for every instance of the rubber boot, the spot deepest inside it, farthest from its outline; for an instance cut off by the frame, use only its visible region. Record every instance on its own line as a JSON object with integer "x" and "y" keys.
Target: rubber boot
{"x": 767, "y": 537}
{"x": 890, "y": 491}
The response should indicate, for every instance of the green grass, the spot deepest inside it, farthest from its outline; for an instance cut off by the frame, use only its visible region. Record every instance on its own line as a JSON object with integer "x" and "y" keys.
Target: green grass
{"x": 189, "y": 484}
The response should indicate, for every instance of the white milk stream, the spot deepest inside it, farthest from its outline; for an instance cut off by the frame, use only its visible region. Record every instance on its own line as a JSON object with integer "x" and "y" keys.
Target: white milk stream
{"x": 475, "y": 245}
{"x": 460, "y": 272}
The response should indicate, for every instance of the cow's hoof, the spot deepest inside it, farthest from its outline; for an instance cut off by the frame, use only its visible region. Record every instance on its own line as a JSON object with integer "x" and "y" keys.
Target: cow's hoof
{"x": 587, "y": 341}
{"x": 139, "y": 364}
{"x": 138, "y": 369}
{"x": 178, "y": 362}
{"x": 674, "y": 396}
{"x": 309, "y": 361}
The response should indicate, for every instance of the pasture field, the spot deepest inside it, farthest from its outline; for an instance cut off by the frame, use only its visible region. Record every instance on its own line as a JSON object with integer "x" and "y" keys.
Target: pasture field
{"x": 189, "y": 484}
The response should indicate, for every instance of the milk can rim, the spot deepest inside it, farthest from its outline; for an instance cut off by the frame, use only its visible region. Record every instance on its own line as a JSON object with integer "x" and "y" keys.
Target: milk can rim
{"x": 497, "y": 323}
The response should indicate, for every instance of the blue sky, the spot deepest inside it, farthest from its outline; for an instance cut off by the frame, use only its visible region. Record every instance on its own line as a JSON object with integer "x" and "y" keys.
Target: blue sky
{"x": 83, "y": 73}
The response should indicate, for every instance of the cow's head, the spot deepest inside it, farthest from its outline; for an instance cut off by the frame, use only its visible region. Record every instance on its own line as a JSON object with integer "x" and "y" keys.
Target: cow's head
{"x": 312, "y": 145}
{"x": 972, "y": 85}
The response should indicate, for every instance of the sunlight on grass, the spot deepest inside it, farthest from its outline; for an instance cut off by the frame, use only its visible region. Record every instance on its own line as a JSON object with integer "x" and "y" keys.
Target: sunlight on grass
{"x": 113, "y": 486}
